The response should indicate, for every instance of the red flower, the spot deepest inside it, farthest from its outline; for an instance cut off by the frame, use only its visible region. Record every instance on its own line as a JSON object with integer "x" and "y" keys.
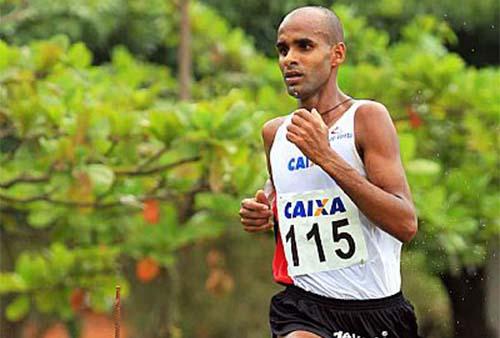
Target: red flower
{"x": 151, "y": 211}
{"x": 147, "y": 269}
{"x": 415, "y": 120}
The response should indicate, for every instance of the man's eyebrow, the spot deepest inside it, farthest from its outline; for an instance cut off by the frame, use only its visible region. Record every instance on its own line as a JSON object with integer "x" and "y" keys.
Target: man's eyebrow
{"x": 302, "y": 41}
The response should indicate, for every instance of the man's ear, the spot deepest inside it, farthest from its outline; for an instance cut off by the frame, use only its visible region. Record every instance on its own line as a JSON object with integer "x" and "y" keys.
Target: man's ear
{"x": 338, "y": 52}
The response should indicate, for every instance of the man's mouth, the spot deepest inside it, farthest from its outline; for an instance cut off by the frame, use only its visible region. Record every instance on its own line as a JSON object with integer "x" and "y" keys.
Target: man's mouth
{"x": 293, "y": 77}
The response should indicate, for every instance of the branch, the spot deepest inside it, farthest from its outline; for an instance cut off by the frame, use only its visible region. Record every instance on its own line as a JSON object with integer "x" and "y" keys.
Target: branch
{"x": 152, "y": 158}
{"x": 31, "y": 199}
{"x": 24, "y": 179}
{"x": 161, "y": 184}
{"x": 93, "y": 204}
{"x": 139, "y": 171}
{"x": 111, "y": 204}
{"x": 114, "y": 143}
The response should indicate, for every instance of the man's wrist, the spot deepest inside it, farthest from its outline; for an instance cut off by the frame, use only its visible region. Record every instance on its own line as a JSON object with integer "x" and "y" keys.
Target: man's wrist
{"x": 325, "y": 158}
{"x": 335, "y": 166}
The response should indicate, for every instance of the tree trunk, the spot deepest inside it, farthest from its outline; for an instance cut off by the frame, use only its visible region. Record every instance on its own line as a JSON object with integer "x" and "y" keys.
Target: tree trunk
{"x": 184, "y": 52}
{"x": 467, "y": 292}
{"x": 7, "y": 328}
{"x": 151, "y": 307}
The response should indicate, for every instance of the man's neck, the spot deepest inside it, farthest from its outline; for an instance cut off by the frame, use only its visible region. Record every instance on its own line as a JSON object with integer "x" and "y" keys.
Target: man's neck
{"x": 323, "y": 101}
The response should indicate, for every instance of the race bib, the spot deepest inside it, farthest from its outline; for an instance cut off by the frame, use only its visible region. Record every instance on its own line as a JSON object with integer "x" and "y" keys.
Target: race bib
{"x": 320, "y": 231}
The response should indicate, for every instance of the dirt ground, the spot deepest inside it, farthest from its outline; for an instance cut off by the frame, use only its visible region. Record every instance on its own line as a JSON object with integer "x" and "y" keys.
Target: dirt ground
{"x": 93, "y": 326}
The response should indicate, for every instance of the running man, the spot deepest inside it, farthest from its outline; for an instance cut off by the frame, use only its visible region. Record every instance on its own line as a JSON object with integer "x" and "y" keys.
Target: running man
{"x": 341, "y": 203}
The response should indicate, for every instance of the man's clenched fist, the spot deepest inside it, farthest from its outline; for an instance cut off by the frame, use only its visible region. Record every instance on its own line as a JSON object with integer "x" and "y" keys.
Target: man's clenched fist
{"x": 256, "y": 214}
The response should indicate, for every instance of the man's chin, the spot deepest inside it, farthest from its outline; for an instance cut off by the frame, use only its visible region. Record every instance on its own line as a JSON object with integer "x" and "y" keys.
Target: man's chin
{"x": 299, "y": 94}
{"x": 294, "y": 91}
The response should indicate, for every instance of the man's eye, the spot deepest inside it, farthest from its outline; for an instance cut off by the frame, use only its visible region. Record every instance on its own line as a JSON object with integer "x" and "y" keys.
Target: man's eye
{"x": 305, "y": 46}
{"x": 282, "y": 51}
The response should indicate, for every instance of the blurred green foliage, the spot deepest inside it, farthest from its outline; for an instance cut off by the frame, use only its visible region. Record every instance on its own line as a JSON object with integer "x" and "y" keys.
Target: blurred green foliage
{"x": 476, "y": 22}
{"x": 142, "y": 26}
{"x": 85, "y": 148}
{"x": 100, "y": 164}
{"x": 148, "y": 29}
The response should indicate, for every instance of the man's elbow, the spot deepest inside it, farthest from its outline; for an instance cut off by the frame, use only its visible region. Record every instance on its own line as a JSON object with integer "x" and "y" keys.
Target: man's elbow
{"x": 409, "y": 228}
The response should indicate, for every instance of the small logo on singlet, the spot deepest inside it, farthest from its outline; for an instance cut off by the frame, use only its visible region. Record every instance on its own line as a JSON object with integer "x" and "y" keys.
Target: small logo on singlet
{"x": 314, "y": 207}
{"x": 337, "y": 134}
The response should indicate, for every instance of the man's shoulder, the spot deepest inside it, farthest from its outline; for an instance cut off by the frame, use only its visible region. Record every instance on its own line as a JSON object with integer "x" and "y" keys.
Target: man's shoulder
{"x": 372, "y": 109}
{"x": 270, "y": 127}
{"x": 370, "y": 114}
{"x": 373, "y": 124}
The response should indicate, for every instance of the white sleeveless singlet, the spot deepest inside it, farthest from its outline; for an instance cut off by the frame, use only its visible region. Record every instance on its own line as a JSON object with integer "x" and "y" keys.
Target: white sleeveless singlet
{"x": 376, "y": 277}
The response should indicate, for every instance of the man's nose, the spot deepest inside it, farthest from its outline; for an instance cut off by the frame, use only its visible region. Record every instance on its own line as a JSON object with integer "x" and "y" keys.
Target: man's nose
{"x": 290, "y": 59}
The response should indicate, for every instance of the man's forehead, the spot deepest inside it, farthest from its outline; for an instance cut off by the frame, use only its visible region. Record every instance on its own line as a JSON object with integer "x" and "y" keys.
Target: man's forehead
{"x": 307, "y": 25}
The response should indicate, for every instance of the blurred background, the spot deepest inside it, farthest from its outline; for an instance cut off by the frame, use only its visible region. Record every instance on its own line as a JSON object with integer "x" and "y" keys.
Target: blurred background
{"x": 130, "y": 131}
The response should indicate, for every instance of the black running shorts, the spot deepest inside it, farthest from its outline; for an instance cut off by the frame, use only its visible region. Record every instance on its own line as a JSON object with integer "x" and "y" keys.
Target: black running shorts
{"x": 295, "y": 309}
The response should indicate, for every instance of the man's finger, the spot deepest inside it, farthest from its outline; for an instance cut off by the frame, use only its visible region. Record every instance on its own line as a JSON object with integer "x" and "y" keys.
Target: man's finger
{"x": 246, "y": 213}
{"x": 257, "y": 229}
{"x": 294, "y": 138}
{"x": 304, "y": 114}
{"x": 254, "y": 222}
{"x": 252, "y": 204}
{"x": 302, "y": 111}
{"x": 315, "y": 113}
{"x": 261, "y": 197}
{"x": 317, "y": 116}
{"x": 294, "y": 129}
{"x": 298, "y": 120}
{"x": 303, "y": 125}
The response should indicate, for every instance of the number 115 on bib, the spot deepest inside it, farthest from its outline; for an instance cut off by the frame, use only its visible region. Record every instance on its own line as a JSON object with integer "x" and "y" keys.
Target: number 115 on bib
{"x": 320, "y": 233}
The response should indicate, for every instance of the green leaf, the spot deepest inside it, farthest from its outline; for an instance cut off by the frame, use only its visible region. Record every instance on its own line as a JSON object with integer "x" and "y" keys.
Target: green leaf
{"x": 62, "y": 260}
{"x": 200, "y": 226}
{"x": 18, "y": 308}
{"x": 44, "y": 301}
{"x": 41, "y": 218}
{"x": 165, "y": 125}
{"x": 32, "y": 269}
{"x": 79, "y": 56}
{"x": 102, "y": 178}
{"x": 11, "y": 282}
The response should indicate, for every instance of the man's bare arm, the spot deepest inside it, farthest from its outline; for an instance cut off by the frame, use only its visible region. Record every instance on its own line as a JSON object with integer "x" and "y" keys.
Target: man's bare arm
{"x": 268, "y": 133}
{"x": 383, "y": 196}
